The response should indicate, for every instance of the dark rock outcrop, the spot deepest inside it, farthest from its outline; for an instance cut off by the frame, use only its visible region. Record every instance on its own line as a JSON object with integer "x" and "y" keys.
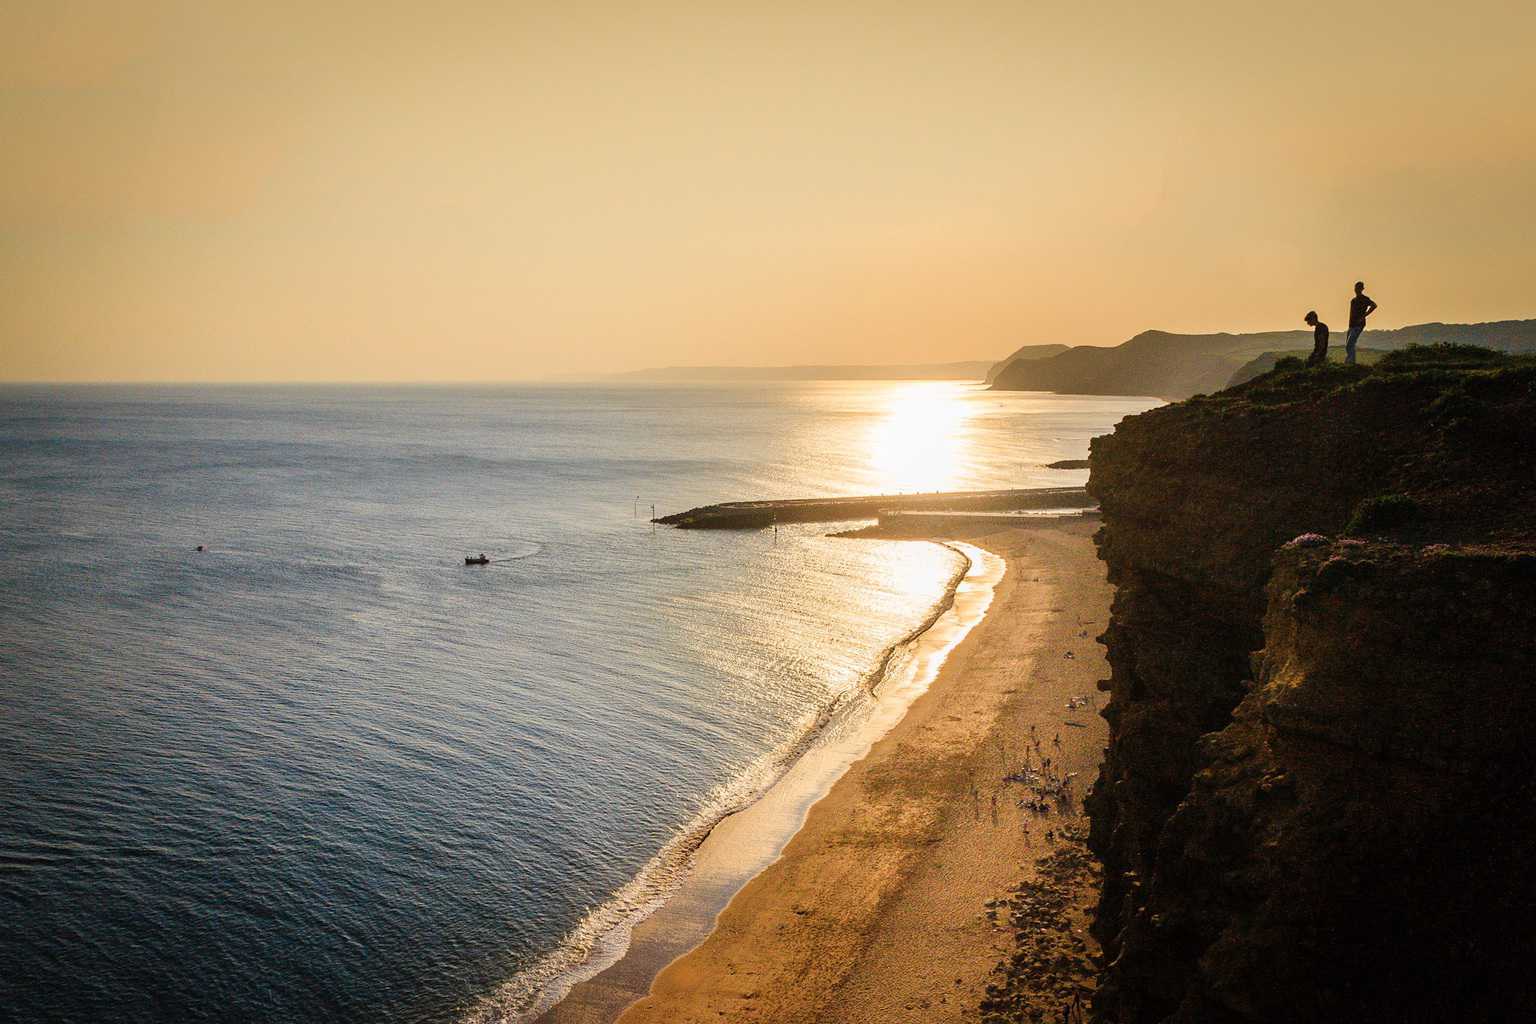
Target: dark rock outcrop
{"x": 1319, "y": 798}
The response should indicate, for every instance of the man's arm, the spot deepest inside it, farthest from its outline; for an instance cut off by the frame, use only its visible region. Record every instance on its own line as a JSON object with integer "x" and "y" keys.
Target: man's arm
{"x": 1372, "y": 301}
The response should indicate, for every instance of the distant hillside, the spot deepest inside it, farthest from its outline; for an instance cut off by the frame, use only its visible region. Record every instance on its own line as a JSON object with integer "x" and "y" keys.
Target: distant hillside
{"x": 1175, "y": 366}
{"x": 969, "y": 370}
{"x": 1027, "y": 352}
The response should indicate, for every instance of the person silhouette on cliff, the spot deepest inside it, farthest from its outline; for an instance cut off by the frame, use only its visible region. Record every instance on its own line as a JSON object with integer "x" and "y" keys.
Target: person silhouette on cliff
{"x": 1319, "y": 354}
{"x": 1360, "y": 307}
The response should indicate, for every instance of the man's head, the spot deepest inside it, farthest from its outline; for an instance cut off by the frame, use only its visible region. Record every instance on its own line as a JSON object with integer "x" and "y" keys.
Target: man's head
{"x": 1359, "y": 287}
{"x": 1311, "y": 318}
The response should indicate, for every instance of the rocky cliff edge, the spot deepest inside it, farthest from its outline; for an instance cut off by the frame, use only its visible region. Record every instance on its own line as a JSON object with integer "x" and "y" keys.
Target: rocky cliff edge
{"x": 1319, "y": 797}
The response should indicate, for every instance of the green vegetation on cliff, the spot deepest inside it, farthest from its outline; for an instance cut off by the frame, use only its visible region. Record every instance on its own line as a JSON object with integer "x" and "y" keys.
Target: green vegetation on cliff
{"x": 1262, "y": 364}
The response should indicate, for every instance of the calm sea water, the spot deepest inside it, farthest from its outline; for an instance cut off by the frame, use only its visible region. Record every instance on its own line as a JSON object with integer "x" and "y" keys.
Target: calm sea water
{"x": 323, "y": 771}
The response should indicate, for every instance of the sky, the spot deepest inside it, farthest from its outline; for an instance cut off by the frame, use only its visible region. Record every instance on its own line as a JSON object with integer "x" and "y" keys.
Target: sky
{"x": 484, "y": 191}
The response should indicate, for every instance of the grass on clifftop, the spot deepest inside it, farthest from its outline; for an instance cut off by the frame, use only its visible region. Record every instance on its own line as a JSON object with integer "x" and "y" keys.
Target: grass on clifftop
{"x": 1444, "y": 356}
{"x": 1447, "y": 367}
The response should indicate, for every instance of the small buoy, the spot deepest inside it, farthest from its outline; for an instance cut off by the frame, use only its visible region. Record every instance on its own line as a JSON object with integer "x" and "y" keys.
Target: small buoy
{"x": 202, "y": 547}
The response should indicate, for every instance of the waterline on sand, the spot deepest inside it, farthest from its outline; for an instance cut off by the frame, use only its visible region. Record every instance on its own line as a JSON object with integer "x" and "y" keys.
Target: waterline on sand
{"x": 609, "y": 960}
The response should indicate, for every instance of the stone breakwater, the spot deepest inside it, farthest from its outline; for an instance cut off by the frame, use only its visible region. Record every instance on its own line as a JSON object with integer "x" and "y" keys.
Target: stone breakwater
{"x": 1318, "y": 801}
{"x": 756, "y": 515}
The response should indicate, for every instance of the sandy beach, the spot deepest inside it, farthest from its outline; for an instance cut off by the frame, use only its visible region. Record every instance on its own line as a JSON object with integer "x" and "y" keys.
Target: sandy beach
{"x": 893, "y": 901}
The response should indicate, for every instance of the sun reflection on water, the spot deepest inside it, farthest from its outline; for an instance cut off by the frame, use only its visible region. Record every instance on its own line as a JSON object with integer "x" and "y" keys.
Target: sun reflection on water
{"x": 921, "y": 441}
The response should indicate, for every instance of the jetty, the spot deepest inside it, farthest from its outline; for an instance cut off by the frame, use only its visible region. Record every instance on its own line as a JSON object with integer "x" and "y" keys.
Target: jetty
{"x": 756, "y": 515}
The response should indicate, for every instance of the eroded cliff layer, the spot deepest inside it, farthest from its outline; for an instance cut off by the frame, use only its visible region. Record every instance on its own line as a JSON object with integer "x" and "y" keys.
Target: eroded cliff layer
{"x": 1318, "y": 800}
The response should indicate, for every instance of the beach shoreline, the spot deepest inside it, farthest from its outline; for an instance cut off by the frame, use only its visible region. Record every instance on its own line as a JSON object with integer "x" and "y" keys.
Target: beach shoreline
{"x": 914, "y": 890}
{"x": 617, "y": 944}
{"x": 743, "y": 842}
{"x": 824, "y": 926}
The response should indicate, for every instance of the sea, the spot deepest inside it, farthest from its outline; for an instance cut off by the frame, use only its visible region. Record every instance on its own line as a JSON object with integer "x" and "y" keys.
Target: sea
{"x": 322, "y": 770}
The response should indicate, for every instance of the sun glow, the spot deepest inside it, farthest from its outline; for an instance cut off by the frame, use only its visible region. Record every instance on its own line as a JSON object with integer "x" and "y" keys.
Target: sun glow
{"x": 921, "y": 442}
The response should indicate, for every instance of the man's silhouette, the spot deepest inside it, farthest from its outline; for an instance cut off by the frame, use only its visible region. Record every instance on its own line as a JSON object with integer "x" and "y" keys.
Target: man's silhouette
{"x": 1319, "y": 354}
{"x": 1360, "y": 307}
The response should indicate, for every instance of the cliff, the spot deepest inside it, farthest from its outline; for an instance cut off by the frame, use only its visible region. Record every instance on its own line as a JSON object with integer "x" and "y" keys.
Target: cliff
{"x": 1027, "y": 352}
{"x": 1317, "y": 799}
{"x": 1176, "y": 366}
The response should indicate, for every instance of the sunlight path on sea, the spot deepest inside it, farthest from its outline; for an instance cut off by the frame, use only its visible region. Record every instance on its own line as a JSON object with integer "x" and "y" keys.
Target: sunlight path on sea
{"x": 918, "y": 443}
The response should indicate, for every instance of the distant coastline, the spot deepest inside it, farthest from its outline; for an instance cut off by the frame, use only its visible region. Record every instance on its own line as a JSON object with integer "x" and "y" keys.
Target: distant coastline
{"x": 974, "y": 369}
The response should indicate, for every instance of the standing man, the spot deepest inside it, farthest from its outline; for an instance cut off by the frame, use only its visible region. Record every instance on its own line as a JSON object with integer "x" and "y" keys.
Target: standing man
{"x": 1319, "y": 354}
{"x": 1360, "y": 307}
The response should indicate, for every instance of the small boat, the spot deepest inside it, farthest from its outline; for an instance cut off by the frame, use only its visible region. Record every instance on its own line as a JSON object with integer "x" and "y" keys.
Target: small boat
{"x": 472, "y": 560}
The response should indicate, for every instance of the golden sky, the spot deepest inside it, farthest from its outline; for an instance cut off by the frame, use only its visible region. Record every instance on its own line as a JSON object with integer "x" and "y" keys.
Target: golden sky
{"x": 222, "y": 190}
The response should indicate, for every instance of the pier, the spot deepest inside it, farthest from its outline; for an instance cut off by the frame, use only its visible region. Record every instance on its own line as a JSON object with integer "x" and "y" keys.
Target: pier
{"x": 755, "y": 515}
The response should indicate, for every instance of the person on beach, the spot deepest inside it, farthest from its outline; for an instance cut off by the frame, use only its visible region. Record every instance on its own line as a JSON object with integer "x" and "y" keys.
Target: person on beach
{"x": 1360, "y": 307}
{"x": 1319, "y": 354}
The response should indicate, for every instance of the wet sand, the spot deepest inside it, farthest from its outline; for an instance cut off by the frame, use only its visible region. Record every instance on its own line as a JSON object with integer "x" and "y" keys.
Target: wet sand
{"x": 881, "y": 907}
{"x": 746, "y": 842}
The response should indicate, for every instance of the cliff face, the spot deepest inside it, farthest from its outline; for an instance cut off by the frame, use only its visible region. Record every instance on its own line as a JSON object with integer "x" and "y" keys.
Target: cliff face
{"x": 1319, "y": 798}
{"x": 1151, "y": 363}
{"x": 1026, "y": 353}
{"x": 1175, "y": 366}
